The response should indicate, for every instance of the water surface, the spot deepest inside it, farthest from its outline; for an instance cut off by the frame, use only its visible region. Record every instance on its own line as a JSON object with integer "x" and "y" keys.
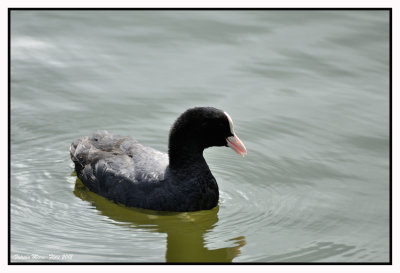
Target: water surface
{"x": 309, "y": 95}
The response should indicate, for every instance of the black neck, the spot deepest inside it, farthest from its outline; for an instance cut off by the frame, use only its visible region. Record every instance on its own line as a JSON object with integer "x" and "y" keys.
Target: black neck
{"x": 185, "y": 153}
{"x": 185, "y": 156}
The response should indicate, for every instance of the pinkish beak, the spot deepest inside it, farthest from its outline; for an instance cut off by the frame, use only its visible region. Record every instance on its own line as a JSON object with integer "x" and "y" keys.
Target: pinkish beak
{"x": 236, "y": 144}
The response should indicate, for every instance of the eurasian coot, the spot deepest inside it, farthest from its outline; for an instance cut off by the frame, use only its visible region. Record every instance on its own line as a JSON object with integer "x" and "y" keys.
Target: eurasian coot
{"x": 123, "y": 170}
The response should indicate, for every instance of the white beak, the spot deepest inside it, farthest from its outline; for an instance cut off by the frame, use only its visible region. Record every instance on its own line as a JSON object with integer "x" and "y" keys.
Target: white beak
{"x": 236, "y": 144}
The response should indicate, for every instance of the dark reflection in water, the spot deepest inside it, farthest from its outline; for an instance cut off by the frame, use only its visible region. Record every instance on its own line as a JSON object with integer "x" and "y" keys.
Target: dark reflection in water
{"x": 185, "y": 231}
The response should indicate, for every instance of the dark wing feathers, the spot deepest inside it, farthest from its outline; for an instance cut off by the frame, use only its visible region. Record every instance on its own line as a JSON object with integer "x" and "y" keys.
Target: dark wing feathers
{"x": 115, "y": 166}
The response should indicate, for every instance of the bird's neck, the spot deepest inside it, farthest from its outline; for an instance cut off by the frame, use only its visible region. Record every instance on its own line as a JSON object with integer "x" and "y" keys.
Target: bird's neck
{"x": 186, "y": 153}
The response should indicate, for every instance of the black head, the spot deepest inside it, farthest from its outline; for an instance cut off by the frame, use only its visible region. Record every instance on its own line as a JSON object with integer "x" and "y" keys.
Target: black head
{"x": 202, "y": 127}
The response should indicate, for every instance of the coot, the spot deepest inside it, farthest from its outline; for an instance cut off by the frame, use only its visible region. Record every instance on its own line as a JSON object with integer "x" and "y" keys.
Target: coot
{"x": 127, "y": 172}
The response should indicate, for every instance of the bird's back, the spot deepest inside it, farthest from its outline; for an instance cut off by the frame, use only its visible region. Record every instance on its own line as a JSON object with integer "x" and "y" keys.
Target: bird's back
{"x": 119, "y": 168}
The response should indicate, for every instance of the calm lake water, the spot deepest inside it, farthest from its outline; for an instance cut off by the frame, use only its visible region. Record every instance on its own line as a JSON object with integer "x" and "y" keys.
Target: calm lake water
{"x": 308, "y": 92}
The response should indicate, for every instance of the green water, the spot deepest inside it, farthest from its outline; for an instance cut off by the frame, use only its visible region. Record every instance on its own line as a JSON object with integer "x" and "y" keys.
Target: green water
{"x": 308, "y": 92}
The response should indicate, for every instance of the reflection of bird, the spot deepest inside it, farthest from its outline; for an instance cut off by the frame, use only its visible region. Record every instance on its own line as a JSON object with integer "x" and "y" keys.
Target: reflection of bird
{"x": 189, "y": 247}
{"x": 185, "y": 231}
{"x": 123, "y": 170}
